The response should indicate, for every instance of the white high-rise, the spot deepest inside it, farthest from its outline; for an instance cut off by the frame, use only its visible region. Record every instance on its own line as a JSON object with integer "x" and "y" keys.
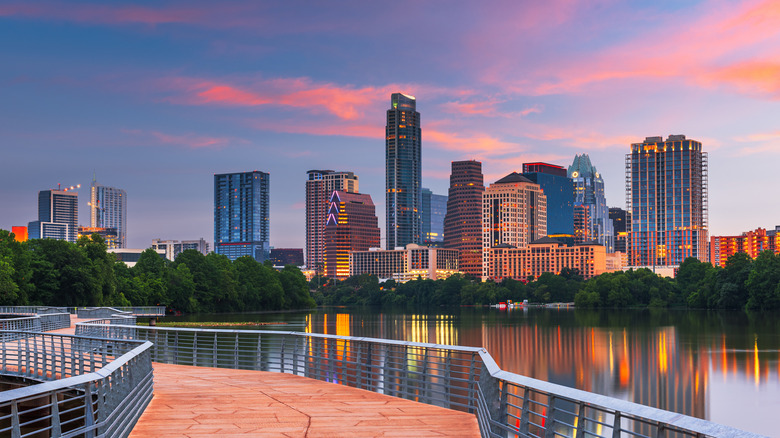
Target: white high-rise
{"x": 108, "y": 209}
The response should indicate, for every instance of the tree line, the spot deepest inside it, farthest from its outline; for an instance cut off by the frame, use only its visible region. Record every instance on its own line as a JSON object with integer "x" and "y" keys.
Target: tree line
{"x": 744, "y": 283}
{"x": 58, "y": 273}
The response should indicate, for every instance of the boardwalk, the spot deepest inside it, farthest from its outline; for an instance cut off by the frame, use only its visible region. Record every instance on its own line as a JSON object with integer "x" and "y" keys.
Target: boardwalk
{"x": 200, "y": 402}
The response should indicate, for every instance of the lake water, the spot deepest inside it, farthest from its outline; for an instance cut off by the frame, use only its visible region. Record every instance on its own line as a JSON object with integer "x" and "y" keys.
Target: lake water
{"x": 720, "y": 366}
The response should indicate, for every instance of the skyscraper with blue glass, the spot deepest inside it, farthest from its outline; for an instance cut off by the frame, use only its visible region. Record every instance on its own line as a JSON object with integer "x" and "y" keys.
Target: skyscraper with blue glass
{"x": 589, "y": 192}
{"x": 434, "y": 208}
{"x": 241, "y": 215}
{"x": 403, "y": 176}
{"x": 559, "y": 189}
{"x": 666, "y": 196}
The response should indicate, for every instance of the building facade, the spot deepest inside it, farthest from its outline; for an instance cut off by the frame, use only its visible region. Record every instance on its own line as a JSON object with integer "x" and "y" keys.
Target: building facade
{"x": 241, "y": 215}
{"x": 666, "y": 195}
{"x": 320, "y": 185}
{"x": 514, "y": 212}
{"x": 108, "y": 209}
{"x": 110, "y": 235}
{"x": 463, "y": 219}
{"x": 621, "y": 223}
{"x": 405, "y": 264}
{"x": 589, "y": 191}
{"x": 545, "y": 255}
{"x": 582, "y": 229}
{"x": 434, "y": 209}
{"x": 751, "y": 243}
{"x": 559, "y": 189}
{"x": 352, "y": 225}
{"x": 403, "y": 157}
{"x": 172, "y": 248}
{"x": 287, "y": 256}
{"x": 58, "y": 214}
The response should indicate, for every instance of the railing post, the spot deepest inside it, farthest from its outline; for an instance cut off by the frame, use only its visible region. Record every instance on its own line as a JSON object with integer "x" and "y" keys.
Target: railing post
{"x": 580, "y": 421}
{"x": 471, "y": 390}
{"x": 661, "y": 430}
{"x": 214, "y": 351}
{"x": 16, "y": 430}
{"x": 526, "y": 414}
{"x": 89, "y": 413}
{"x": 235, "y": 353}
{"x": 616, "y": 425}
{"x": 358, "y": 365}
{"x": 549, "y": 424}
{"x": 448, "y": 380}
{"x": 491, "y": 393}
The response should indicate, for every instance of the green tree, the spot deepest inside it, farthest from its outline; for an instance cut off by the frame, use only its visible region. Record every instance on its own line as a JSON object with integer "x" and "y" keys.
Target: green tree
{"x": 763, "y": 283}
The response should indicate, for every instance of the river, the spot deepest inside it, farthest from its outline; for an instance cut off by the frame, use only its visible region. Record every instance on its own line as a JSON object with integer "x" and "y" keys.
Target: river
{"x": 720, "y": 366}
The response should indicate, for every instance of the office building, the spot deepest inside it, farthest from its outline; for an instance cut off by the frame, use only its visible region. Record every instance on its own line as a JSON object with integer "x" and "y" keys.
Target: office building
{"x": 434, "y": 208}
{"x": 751, "y": 243}
{"x": 108, "y": 209}
{"x": 352, "y": 225}
{"x": 20, "y": 233}
{"x": 320, "y": 185}
{"x": 172, "y": 248}
{"x": 621, "y": 221}
{"x": 241, "y": 215}
{"x": 287, "y": 256}
{"x": 130, "y": 256}
{"x": 58, "y": 213}
{"x": 406, "y": 264}
{"x": 582, "y": 222}
{"x": 589, "y": 191}
{"x": 514, "y": 212}
{"x": 403, "y": 177}
{"x": 544, "y": 255}
{"x": 463, "y": 219}
{"x": 666, "y": 195}
{"x": 559, "y": 189}
{"x": 109, "y": 235}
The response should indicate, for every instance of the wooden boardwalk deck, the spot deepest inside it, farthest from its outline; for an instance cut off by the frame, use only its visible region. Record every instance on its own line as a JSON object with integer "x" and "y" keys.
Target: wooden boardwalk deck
{"x": 216, "y": 402}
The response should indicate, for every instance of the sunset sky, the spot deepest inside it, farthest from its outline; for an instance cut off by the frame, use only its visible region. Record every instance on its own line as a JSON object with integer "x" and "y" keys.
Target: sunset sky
{"x": 155, "y": 97}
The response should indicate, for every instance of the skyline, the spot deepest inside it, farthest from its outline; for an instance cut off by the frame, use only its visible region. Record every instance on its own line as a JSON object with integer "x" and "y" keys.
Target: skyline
{"x": 157, "y": 98}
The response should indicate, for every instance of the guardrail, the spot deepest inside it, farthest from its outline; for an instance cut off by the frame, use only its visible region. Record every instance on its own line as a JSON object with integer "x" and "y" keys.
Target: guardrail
{"x": 463, "y": 378}
{"x": 32, "y": 310}
{"x": 34, "y": 323}
{"x": 92, "y": 387}
{"x": 107, "y": 312}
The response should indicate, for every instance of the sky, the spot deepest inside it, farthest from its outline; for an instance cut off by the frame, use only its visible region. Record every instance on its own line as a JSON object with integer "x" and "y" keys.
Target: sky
{"x": 156, "y": 97}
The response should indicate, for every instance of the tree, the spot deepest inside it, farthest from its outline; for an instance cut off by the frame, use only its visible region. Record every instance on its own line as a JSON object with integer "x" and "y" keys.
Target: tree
{"x": 763, "y": 283}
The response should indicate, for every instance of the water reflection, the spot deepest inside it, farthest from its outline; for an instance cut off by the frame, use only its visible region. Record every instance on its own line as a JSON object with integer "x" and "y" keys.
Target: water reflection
{"x": 662, "y": 359}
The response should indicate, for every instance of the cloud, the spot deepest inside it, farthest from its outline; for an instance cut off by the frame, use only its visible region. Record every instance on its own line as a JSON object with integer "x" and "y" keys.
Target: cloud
{"x": 191, "y": 141}
{"x": 487, "y": 108}
{"x": 760, "y": 143}
{"x": 475, "y": 143}
{"x": 759, "y": 78}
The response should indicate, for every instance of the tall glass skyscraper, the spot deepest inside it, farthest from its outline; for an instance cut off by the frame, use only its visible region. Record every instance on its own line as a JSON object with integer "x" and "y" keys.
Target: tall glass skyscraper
{"x": 241, "y": 215}
{"x": 58, "y": 215}
{"x": 589, "y": 191}
{"x": 434, "y": 208}
{"x": 403, "y": 177}
{"x": 666, "y": 196}
{"x": 559, "y": 189}
{"x": 108, "y": 209}
{"x": 320, "y": 185}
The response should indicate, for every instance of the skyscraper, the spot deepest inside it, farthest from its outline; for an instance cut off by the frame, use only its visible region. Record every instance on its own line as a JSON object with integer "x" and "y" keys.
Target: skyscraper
{"x": 621, "y": 220}
{"x": 352, "y": 225}
{"x": 463, "y": 220}
{"x": 403, "y": 177}
{"x": 434, "y": 208}
{"x": 58, "y": 214}
{"x": 514, "y": 212}
{"x": 589, "y": 191}
{"x": 108, "y": 209}
{"x": 320, "y": 185}
{"x": 666, "y": 195}
{"x": 241, "y": 216}
{"x": 559, "y": 189}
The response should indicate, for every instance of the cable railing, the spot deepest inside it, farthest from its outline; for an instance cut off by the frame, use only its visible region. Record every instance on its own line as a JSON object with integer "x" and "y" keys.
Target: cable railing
{"x": 90, "y": 387}
{"x": 463, "y": 378}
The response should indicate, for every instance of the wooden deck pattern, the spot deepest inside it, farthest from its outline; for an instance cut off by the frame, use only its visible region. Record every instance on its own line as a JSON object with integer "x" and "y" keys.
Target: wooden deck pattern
{"x": 216, "y": 402}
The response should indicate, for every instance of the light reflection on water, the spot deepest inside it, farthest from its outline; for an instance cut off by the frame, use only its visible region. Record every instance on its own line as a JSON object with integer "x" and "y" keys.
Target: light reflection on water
{"x": 721, "y": 366}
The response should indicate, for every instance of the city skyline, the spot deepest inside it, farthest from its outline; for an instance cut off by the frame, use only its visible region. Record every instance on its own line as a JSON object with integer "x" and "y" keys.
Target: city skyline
{"x": 160, "y": 97}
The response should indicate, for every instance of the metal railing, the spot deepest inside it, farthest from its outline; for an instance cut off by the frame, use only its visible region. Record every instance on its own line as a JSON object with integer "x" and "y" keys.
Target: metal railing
{"x": 32, "y": 310}
{"x": 92, "y": 387}
{"x": 463, "y": 378}
{"x": 106, "y": 312}
{"x": 33, "y": 323}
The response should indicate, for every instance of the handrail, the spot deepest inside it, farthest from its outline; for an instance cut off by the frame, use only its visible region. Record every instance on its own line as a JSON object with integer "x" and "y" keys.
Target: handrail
{"x": 464, "y": 378}
{"x": 91, "y": 387}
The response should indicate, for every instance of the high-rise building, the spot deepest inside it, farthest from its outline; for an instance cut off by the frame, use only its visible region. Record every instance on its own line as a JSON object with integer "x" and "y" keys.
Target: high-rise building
{"x": 108, "y": 209}
{"x": 621, "y": 222}
{"x": 58, "y": 214}
{"x": 241, "y": 215}
{"x": 666, "y": 195}
{"x": 463, "y": 219}
{"x": 589, "y": 191}
{"x": 108, "y": 234}
{"x": 434, "y": 208}
{"x": 582, "y": 230}
{"x": 559, "y": 189}
{"x": 287, "y": 256}
{"x": 514, "y": 212}
{"x": 320, "y": 185}
{"x": 403, "y": 154}
{"x": 172, "y": 248}
{"x": 352, "y": 225}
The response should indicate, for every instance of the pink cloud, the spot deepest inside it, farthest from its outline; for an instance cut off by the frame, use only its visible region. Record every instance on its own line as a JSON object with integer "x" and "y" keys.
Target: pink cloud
{"x": 487, "y": 108}
{"x": 477, "y": 143}
{"x": 192, "y": 141}
{"x": 752, "y": 77}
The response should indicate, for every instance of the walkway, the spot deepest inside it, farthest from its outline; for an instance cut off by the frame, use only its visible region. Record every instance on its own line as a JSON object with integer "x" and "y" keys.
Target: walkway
{"x": 207, "y": 402}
